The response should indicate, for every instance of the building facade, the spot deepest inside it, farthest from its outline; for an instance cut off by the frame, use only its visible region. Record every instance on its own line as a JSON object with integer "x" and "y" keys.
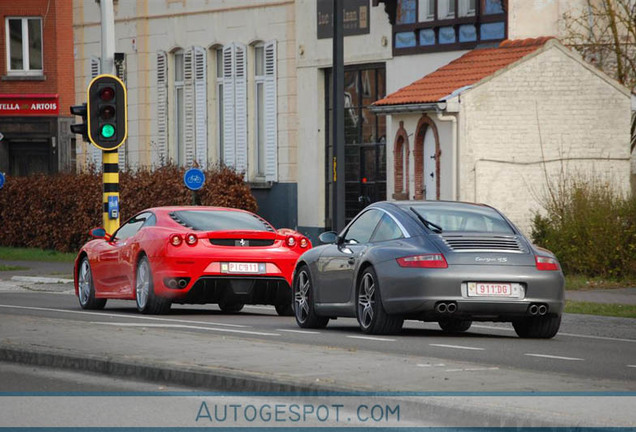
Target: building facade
{"x": 208, "y": 82}
{"x": 36, "y": 87}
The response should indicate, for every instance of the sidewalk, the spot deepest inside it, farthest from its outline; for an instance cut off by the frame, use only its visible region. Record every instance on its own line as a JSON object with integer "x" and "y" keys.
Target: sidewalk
{"x": 61, "y": 273}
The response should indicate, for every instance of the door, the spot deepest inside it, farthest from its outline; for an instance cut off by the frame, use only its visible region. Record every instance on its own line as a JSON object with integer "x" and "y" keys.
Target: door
{"x": 338, "y": 263}
{"x": 430, "y": 165}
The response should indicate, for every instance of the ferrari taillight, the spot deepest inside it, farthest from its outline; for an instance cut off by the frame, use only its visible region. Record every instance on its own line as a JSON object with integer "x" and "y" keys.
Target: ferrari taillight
{"x": 546, "y": 263}
{"x": 175, "y": 240}
{"x": 191, "y": 239}
{"x": 304, "y": 242}
{"x": 291, "y": 241}
{"x": 424, "y": 261}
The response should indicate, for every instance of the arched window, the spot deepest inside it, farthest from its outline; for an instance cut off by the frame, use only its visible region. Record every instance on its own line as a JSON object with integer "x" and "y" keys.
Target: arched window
{"x": 401, "y": 164}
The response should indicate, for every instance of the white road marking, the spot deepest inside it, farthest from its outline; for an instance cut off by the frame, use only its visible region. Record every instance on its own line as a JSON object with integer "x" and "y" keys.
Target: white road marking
{"x": 431, "y": 365}
{"x": 554, "y": 357}
{"x": 634, "y": 366}
{"x": 259, "y": 307}
{"x": 185, "y": 327}
{"x": 562, "y": 334}
{"x": 110, "y": 315}
{"x": 457, "y": 347}
{"x": 372, "y": 338}
{"x": 298, "y": 331}
{"x": 472, "y": 369}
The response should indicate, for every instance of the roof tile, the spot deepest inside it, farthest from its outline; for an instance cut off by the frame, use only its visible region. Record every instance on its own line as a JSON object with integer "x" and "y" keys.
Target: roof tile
{"x": 466, "y": 70}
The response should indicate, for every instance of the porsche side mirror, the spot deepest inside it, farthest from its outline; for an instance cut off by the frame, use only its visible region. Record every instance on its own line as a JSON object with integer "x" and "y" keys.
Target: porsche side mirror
{"x": 99, "y": 233}
{"x": 328, "y": 237}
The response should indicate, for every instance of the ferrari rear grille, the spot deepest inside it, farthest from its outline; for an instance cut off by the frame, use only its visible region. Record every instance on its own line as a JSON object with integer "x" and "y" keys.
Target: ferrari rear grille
{"x": 242, "y": 242}
{"x": 483, "y": 244}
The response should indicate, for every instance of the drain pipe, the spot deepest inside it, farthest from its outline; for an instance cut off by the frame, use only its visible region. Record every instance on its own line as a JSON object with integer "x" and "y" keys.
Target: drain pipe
{"x": 455, "y": 165}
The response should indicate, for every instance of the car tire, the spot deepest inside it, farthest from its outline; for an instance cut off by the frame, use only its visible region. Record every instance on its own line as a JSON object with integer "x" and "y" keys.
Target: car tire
{"x": 303, "y": 294}
{"x": 286, "y": 309}
{"x": 147, "y": 301}
{"x": 231, "y": 307}
{"x": 372, "y": 317}
{"x": 86, "y": 287}
{"x": 541, "y": 327}
{"x": 455, "y": 325}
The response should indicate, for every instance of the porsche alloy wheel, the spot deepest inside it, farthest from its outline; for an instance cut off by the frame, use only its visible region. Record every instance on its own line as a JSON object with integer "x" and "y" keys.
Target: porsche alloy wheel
{"x": 304, "y": 301}
{"x": 147, "y": 301}
{"x": 86, "y": 288}
{"x": 372, "y": 317}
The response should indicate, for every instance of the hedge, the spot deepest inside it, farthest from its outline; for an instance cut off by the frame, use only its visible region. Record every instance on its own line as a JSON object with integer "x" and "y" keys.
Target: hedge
{"x": 56, "y": 212}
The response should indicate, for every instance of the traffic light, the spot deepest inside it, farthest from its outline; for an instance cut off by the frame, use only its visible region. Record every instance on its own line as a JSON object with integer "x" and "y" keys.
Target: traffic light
{"x": 107, "y": 112}
{"x": 80, "y": 128}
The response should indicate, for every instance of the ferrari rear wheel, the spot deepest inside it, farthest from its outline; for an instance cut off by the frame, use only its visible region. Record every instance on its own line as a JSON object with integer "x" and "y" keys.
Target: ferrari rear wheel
{"x": 147, "y": 301}
{"x": 285, "y": 309}
{"x": 86, "y": 288}
{"x": 303, "y": 293}
{"x": 541, "y": 327}
{"x": 455, "y": 325}
{"x": 231, "y": 307}
{"x": 372, "y": 317}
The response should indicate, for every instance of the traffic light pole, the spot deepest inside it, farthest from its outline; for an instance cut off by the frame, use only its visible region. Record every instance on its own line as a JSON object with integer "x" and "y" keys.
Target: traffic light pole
{"x": 110, "y": 158}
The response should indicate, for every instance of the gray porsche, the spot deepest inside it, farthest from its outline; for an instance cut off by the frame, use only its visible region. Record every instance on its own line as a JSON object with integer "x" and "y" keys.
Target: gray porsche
{"x": 447, "y": 262}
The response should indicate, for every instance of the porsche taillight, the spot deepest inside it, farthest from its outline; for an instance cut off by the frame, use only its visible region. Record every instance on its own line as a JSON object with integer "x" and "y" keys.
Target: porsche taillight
{"x": 424, "y": 261}
{"x": 546, "y": 263}
{"x": 176, "y": 240}
{"x": 191, "y": 239}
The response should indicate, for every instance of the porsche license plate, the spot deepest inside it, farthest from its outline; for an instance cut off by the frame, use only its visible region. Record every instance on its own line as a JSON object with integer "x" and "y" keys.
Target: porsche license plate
{"x": 489, "y": 289}
{"x": 241, "y": 267}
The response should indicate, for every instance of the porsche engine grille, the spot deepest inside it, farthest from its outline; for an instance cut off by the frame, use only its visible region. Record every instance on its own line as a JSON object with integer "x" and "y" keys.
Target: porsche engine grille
{"x": 242, "y": 242}
{"x": 483, "y": 244}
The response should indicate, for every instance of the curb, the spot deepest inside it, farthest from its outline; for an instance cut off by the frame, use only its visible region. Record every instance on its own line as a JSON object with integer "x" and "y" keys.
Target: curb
{"x": 38, "y": 279}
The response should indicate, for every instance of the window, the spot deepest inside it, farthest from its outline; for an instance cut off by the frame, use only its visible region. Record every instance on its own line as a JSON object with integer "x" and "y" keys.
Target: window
{"x": 220, "y": 220}
{"x": 179, "y": 108}
{"x": 162, "y": 107}
{"x": 265, "y": 110}
{"x": 133, "y": 225}
{"x": 361, "y": 229}
{"x": 387, "y": 229}
{"x": 445, "y": 25}
{"x": 24, "y": 46}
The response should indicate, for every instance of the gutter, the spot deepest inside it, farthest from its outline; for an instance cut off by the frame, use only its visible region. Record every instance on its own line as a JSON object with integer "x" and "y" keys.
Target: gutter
{"x": 407, "y": 108}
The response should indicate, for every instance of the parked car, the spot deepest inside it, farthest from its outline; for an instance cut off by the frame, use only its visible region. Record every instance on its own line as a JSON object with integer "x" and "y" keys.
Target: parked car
{"x": 198, "y": 255}
{"x": 446, "y": 262}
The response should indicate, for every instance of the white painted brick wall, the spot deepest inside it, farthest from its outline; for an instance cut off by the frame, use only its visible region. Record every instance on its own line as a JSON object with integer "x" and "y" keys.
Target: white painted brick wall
{"x": 548, "y": 108}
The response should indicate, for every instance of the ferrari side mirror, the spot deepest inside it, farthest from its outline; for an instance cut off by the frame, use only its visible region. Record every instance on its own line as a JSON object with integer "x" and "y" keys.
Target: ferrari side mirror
{"x": 99, "y": 233}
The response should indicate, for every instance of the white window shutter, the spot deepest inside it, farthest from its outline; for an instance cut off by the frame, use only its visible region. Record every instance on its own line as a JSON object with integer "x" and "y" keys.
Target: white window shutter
{"x": 229, "y": 142}
{"x": 240, "y": 106}
{"x": 162, "y": 106}
{"x": 271, "y": 114}
{"x": 95, "y": 153}
{"x": 201, "y": 107}
{"x": 189, "y": 118}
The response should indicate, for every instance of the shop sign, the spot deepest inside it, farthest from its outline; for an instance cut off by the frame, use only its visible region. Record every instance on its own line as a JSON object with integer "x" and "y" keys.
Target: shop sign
{"x": 355, "y": 18}
{"x": 29, "y": 105}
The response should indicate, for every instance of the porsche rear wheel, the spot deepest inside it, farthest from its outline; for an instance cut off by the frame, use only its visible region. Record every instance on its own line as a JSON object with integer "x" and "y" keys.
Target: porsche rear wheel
{"x": 86, "y": 288}
{"x": 147, "y": 301}
{"x": 541, "y": 327}
{"x": 455, "y": 325}
{"x": 303, "y": 293}
{"x": 231, "y": 307}
{"x": 372, "y": 317}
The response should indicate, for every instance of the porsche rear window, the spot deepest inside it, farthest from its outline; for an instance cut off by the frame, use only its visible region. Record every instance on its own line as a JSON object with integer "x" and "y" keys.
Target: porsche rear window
{"x": 222, "y": 220}
{"x": 464, "y": 218}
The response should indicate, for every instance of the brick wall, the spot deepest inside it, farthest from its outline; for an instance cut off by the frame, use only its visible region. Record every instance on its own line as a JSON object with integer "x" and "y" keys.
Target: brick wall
{"x": 57, "y": 48}
{"x": 548, "y": 118}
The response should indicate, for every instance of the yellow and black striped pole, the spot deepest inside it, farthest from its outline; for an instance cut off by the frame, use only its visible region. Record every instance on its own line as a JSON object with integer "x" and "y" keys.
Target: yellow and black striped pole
{"x": 110, "y": 160}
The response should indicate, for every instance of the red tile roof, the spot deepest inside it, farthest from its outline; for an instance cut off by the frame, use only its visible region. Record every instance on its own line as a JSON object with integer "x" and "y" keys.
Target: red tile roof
{"x": 463, "y": 71}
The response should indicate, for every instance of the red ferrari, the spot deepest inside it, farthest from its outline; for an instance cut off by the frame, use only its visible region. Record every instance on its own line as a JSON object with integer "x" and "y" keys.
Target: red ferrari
{"x": 199, "y": 255}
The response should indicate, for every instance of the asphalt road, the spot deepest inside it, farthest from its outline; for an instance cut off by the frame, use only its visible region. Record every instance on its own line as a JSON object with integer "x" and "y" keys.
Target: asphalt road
{"x": 587, "y": 347}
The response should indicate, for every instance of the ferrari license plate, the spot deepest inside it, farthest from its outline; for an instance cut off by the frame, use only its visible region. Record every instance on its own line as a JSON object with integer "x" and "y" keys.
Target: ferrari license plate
{"x": 242, "y": 267}
{"x": 489, "y": 289}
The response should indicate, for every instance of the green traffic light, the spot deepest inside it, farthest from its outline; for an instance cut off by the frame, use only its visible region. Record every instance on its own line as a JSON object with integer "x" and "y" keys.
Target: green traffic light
{"x": 108, "y": 131}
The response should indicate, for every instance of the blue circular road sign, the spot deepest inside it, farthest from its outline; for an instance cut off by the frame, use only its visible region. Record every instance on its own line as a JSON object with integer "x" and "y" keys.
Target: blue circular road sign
{"x": 194, "y": 178}
{"x": 1, "y": 180}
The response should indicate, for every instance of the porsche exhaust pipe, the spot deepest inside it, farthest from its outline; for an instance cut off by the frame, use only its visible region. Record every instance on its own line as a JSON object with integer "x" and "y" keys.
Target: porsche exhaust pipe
{"x": 543, "y": 309}
{"x": 451, "y": 308}
{"x": 441, "y": 308}
{"x": 533, "y": 309}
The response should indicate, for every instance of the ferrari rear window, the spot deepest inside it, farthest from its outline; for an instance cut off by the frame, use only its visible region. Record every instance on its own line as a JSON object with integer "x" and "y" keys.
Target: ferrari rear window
{"x": 221, "y": 220}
